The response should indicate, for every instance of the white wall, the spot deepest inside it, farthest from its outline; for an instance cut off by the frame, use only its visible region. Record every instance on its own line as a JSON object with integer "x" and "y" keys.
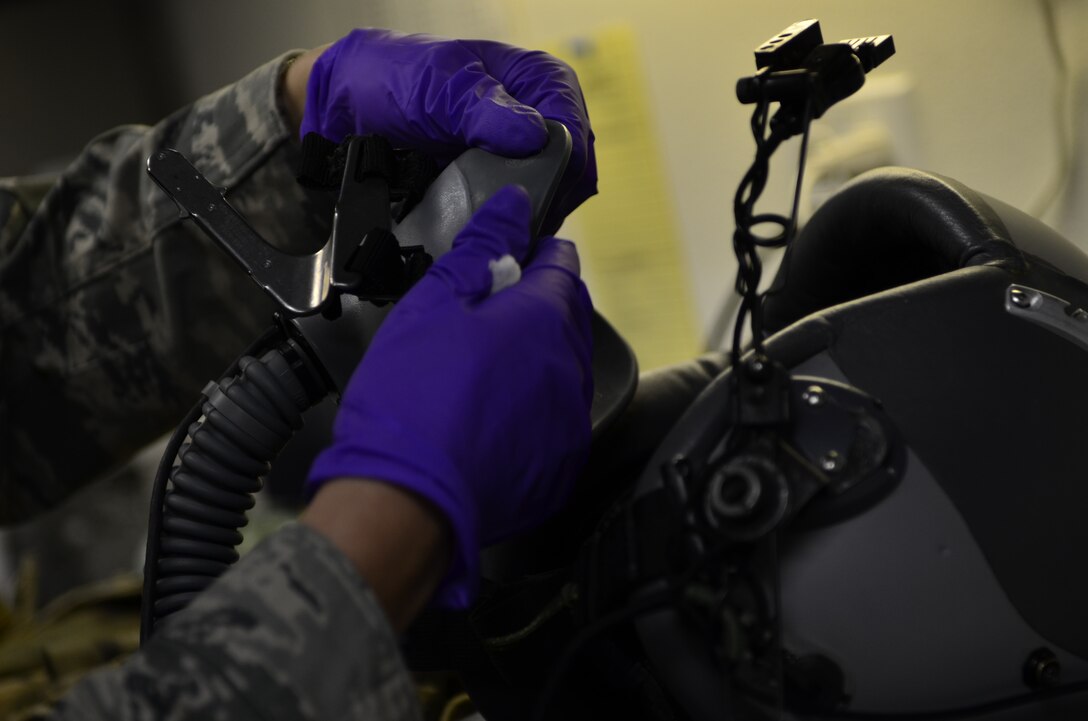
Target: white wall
{"x": 983, "y": 88}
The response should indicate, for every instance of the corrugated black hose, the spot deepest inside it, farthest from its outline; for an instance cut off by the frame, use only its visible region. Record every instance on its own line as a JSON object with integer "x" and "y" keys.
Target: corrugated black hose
{"x": 215, "y": 463}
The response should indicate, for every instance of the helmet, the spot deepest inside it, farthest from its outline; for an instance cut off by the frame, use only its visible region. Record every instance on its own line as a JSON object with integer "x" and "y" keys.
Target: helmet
{"x": 902, "y": 538}
{"x": 951, "y": 590}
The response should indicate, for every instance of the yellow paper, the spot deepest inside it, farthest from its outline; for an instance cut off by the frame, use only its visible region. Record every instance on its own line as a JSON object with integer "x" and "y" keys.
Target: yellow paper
{"x": 628, "y": 234}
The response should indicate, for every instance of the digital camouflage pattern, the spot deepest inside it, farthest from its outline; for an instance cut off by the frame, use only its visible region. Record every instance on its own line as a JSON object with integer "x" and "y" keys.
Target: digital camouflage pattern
{"x": 114, "y": 312}
{"x": 291, "y": 632}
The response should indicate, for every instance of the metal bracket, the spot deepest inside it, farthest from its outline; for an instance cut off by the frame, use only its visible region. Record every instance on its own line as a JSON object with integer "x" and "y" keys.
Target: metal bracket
{"x": 302, "y": 284}
{"x": 1048, "y": 311}
{"x": 298, "y": 283}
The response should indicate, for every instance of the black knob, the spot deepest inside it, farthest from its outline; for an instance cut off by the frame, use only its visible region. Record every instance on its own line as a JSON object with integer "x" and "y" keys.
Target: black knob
{"x": 746, "y": 497}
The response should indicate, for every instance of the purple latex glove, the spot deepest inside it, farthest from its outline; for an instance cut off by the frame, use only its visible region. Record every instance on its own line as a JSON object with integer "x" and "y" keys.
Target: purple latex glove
{"x": 478, "y": 401}
{"x": 442, "y": 96}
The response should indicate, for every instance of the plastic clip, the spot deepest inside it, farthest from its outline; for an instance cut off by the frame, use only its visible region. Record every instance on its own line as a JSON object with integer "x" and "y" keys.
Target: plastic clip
{"x": 762, "y": 392}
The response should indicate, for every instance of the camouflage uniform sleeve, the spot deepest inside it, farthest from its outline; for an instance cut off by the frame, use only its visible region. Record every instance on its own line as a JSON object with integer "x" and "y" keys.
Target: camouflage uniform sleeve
{"x": 114, "y": 312}
{"x": 291, "y": 632}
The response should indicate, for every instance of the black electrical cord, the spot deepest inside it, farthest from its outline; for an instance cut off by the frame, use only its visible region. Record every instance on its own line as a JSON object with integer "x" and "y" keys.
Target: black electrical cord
{"x": 154, "y": 525}
{"x": 746, "y": 243}
{"x": 624, "y": 614}
{"x": 669, "y": 596}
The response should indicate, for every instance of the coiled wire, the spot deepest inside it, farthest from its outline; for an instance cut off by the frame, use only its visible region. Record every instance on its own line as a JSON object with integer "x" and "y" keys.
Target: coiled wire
{"x": 746, "y": 243}
{"x": 223, "y": 450}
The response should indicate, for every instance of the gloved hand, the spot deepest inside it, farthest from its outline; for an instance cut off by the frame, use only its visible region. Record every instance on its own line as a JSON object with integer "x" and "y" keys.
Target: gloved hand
{"x": 478, "y": 401}
{"x": 443, "y": 96}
